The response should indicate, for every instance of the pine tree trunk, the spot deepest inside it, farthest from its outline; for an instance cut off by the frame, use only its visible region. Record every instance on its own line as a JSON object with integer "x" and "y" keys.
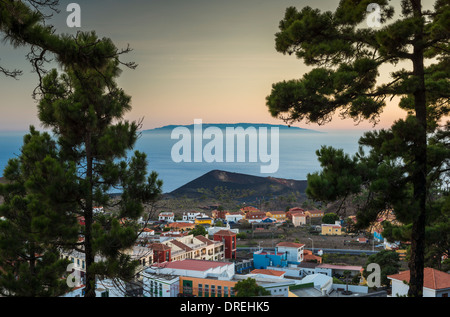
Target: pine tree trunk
{"x": 416, "y": 264}
{"x": 89, "y": 254}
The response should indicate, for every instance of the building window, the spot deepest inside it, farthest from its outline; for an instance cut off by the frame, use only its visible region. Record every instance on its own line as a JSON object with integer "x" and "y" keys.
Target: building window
{"x": 225, "y": 291}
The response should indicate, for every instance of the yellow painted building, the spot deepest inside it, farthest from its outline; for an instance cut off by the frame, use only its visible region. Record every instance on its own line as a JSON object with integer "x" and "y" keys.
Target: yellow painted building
{"x": 278, "y": 215}
{"x": 331, "y": 229}
{"x": 314, "y": 213}
{"x": 203, "y": 221}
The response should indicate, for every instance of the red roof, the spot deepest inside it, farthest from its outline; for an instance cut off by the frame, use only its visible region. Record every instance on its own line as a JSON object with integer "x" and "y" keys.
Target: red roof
{"x": 159, "y": 247}
{"x": 268, "y": 272}
{"x": 225, "y": 233}
{"x": 249, "y": 208}
{"x": 204, "y": 239}
{"x": 277, "y": 212}
{"x": 193, "y": 265}
{"x": 180, "y": 225}
{"x": 341, "y": 267}
{"x": 290, "y": 245}
{"x": 432, "y": 278}
{"x": 296, "y": 209}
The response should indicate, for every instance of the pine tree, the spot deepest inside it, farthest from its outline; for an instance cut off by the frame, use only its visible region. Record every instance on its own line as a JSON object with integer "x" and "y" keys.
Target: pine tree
{"x": 85, "y": 109}
{"x": 348, "y": 57}
{"x": 34, "y": 220}
{"x": 24, "y": 23}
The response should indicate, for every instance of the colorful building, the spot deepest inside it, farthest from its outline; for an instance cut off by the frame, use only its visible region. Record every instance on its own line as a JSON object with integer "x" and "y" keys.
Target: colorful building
{"x": 203, "y": 221}
{"x": 255, "y": 216}
{"x": 181, "y": 226}
{"x": 280, "y": 216}
{"x": 200, "y": 278}
{"x": 206, "y": 287}
{"x": 195, "y": 247}
{"x": 262, "y": 259}
{"x": 314, "y": 213}
{"x": 308, "y": 256}
{"x": 249, "y": 209}
{"x": 435, "y": 283}
{"x": 331, "y": 229}
{"x": 229, "y": 239}
{"x": 161, "y": 253}
{"x": 219, "y": 214}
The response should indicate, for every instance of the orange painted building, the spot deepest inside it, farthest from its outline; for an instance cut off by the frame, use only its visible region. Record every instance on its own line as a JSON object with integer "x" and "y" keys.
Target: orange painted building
{"x": 205, "y": 287}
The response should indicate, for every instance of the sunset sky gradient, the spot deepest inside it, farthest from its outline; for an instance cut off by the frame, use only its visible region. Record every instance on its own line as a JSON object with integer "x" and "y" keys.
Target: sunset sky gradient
{"x": 198, "y": 59}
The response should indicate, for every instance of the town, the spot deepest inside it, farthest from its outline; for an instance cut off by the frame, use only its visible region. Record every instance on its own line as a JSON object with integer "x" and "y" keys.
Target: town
{"x": 106, "y": 191}
{"x": 205, "y": 254}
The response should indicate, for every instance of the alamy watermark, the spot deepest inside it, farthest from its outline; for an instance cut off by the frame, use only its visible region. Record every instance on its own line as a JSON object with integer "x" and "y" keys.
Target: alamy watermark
{"x": 374, "y": 278}
{"x": 373, "y": 19}
{"x": 229, "y": 146}
{"x": 74, "y": 18}
{"x": 74, "y": 278}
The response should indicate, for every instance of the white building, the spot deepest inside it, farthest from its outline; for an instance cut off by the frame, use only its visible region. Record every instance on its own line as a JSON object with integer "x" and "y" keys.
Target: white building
{"x": 104, "y": 288}
{"x": 294, "y": 251}
{"x": 160, "y": 285}
{"x": 166, "y": 216}
{"x": 213, "y": 230}
{"x": 234, "y": 216}
{"x": 298, "y": 219}
{"x": 147, "y": 232}
{"x": 435, "y": 284}
{"x": 333, "y": 269}
{"x": 322, "y": 282}
{"x": 192, "y": 215}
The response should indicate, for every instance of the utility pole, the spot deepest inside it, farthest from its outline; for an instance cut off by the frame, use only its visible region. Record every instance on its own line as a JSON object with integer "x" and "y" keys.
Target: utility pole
{"x": 312, "y": 242}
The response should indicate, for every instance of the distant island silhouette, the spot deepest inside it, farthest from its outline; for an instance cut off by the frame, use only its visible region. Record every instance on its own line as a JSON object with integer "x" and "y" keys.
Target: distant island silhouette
{"x": 235, "y": 125}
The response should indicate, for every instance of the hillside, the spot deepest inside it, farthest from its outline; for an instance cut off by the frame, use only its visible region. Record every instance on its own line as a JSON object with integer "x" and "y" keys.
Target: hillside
{"x": 218, "y": 184}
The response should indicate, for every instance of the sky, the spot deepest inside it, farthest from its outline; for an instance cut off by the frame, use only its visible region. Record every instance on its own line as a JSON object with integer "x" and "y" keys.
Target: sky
{"x": 197, "y": 59}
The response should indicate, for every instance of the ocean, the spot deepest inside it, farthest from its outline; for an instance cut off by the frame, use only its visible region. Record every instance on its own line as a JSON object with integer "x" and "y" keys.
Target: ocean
{"x": 297, "y": 155}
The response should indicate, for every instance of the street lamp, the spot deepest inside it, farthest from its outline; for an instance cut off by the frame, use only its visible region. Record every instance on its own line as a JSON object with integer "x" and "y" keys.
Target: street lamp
{"x": 312, "y": 244}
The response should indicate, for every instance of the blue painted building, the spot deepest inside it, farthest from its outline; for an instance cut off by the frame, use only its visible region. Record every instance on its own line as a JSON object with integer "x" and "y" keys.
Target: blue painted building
{"x": 262, "y": 259}
{"x": 378, "y": 236}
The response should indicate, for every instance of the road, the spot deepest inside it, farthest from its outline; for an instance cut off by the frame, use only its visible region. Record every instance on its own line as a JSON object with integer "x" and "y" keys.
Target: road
{"x": 340, "y": 251}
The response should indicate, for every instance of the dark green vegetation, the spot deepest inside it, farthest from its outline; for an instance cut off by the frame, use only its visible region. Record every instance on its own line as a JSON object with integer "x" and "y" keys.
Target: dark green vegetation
{"x": 56, "y": 180}
{"x": 240, "y": 187}
{"x": 404, "y": 168}
{"x": 249, "y": 288}
{"x": 389, "y": 262}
